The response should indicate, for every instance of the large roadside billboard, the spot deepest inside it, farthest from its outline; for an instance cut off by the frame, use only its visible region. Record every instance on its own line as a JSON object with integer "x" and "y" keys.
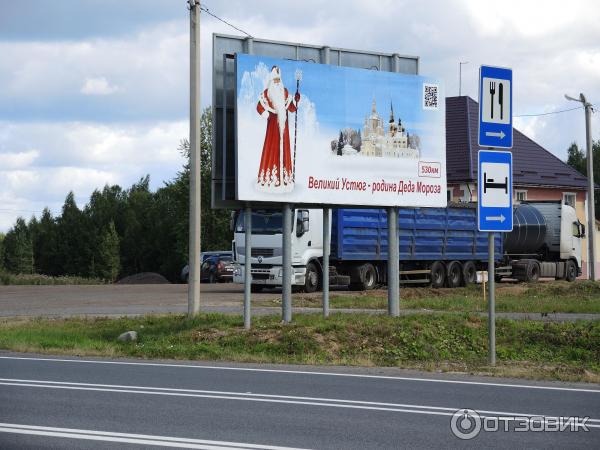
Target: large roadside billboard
{"x": 321, "y": 134}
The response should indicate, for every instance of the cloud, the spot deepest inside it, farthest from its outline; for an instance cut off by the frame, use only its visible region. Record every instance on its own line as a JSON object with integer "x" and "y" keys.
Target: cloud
{"x": 136, "y": 55}
{"x": 98, "y": 86}
{"x": 18, "y": 160}
{"x": 81, "y": 157}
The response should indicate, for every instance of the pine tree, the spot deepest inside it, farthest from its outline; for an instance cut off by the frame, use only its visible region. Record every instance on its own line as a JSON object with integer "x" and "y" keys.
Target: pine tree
{"x": 18, "y": 249}
{"x": 2, "y": 236}
{"x": 74, "y": 243}
{"x": 340, "y": 145}
{"x": 107, "y": 262}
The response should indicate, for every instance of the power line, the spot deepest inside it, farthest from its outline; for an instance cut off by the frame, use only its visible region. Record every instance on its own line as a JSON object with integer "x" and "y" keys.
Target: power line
{"x": 20, "y": 210}
{"x": 205, "y": 9}
{"x": 548, "y": 113}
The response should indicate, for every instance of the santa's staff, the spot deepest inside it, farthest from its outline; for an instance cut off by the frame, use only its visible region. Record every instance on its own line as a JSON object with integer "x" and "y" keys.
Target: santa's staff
{"x": 298, "y": 78}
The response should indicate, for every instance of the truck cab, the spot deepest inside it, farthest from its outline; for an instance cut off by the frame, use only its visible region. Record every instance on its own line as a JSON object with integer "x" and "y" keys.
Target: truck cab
{"x": 266, "y": 254}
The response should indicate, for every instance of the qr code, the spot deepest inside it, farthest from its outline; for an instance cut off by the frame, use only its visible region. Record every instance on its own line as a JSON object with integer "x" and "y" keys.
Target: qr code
{"x": 430, "y": 96}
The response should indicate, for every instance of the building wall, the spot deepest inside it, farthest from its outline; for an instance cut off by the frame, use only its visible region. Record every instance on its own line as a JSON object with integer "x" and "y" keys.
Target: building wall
{"x": 538, "y": 193}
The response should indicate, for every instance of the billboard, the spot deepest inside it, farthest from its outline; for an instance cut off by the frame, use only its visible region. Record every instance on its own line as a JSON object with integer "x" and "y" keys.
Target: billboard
{"x": 320, "y": 134}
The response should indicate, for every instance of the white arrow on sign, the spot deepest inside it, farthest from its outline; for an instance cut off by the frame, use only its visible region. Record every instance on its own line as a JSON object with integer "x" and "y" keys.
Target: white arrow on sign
{"x": 499, "y": 218}
{"x": 495, "y": 134}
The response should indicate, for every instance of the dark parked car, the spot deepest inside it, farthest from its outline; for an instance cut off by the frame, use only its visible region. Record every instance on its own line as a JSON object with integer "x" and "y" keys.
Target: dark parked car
{"x": 217, "y": 269}
{"x": 185, "y": 272}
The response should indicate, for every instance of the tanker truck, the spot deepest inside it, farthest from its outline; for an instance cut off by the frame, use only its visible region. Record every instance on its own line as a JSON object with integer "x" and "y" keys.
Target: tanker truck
{"x": 437, "y": 246}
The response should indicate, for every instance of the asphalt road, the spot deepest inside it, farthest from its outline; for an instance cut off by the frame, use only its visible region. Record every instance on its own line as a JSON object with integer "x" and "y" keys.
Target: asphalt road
{"x": 120, "y": 300}
{"x": 98, "y": 403}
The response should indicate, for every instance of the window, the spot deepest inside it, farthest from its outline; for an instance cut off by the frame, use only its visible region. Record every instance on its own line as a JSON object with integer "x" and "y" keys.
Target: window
{"x": 575, "y": 229}
{"x": 521, "y": 196}
{"x": 569, "y": 199}
{"x": 449, "y": 195}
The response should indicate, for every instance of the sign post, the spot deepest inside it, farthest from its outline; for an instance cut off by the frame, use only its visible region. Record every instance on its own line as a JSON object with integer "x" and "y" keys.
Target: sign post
{"x": 494, "y": 214}
{"x": 495, "y": 183}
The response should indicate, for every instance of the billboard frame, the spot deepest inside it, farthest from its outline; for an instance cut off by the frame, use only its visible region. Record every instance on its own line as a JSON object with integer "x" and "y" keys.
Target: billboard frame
{"x": 224, "y": 140}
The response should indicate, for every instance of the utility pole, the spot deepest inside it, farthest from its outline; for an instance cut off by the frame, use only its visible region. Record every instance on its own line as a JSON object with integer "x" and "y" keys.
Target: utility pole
{"x": 590, "y": 175}
{"x": 194, "y": 238}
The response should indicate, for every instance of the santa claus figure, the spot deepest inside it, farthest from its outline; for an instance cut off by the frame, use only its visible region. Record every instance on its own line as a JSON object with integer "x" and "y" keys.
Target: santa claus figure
{"x": 275, "y": 173}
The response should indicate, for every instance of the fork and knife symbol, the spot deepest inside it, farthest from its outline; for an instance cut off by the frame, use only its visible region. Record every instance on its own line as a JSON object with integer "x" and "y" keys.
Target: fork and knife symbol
{"x": 500, "y": 98}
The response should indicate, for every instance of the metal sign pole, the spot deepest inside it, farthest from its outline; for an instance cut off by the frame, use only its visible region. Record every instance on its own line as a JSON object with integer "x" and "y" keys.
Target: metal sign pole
{"x": 393, "y": 263}
{"x": 491, "y": 301}
{"x": 286, "y": 284}
{"x": 247, "y": 266}
{"x": 326, "y": 251}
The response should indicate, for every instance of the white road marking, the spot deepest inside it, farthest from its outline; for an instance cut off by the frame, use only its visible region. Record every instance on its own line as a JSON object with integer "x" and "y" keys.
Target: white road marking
{"x": 145, "y": 439}
{"x": 266, "y": 398}
{"x": 306, "y": 372}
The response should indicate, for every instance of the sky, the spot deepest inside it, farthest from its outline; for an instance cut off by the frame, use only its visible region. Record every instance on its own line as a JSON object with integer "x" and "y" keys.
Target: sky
{"x": 96, "y": 91}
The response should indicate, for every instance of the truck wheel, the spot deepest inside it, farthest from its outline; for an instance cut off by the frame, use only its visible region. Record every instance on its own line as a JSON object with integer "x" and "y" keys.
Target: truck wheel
{"x": 438, "y": 274}
{"x": 533, "y": 272}
{"x": 256, "y": 288}
{"x": 469, "y": 273}
{"x": 312, "y": 278}
{"x": 454, "y": 274}
{"x": 369, "y": 277}
{"x": 364, "y": 276}
{"x": 570, "y": 271}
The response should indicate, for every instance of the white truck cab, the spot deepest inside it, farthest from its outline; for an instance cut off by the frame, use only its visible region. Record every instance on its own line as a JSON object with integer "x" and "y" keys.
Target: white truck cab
{"x": 266, "y": 257}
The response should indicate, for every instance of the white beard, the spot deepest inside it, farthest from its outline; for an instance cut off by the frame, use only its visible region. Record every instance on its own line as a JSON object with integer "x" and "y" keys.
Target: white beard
{"x": 277, "y": 96}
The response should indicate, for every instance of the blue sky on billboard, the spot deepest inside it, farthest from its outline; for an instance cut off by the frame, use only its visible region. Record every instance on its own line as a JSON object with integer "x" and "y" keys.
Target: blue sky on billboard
{"x": 341, "y": 92}
{"x": 96, "y": 91}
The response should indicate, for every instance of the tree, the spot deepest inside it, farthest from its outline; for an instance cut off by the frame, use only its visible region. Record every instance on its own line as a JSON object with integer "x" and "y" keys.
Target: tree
{"x": 577, "y": 159}
{"x": 2, "y": 236}
{"x": 74, "y": 246}
{"x": 18, "y": 249}
{"x": 107, "y": 260}
{"x": 44, "y": 240}
{"x": 340, "y": 145}
{"x": 126, "y": 231}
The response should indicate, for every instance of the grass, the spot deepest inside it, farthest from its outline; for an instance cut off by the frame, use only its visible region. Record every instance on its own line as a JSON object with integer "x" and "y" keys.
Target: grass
{"x": 448, "y": 342}
{"x": 544, "y": 297}
{"x": 8, "y": 279}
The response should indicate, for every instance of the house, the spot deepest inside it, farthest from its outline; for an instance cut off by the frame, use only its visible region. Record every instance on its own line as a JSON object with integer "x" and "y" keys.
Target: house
{"x": 537, "y": 173}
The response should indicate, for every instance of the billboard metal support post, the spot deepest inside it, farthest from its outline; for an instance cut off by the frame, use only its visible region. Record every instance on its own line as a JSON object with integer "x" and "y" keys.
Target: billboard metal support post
{"x": 194, "y": 238}
{"x": 286, "y": 284}
{"x": 326, "y": 251}
{"x": 247, "y": 266}
{"x": 491, "y": 301}
{"x": 393, "y": 263}
{"x": 326, "y": 228}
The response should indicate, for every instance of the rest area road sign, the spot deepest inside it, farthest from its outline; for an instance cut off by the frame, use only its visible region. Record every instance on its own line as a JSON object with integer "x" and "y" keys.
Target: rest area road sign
{"x": 495, "y": 107}
{"x": 495, "y": 187}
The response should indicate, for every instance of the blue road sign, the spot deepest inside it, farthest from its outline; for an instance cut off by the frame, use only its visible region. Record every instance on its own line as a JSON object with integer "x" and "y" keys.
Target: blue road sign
{"x": 495, "y": 191}
{"x": 495, "y": 107}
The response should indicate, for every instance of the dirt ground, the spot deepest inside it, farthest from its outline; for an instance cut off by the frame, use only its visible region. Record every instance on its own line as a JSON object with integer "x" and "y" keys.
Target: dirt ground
{"x": 119, "y": 299}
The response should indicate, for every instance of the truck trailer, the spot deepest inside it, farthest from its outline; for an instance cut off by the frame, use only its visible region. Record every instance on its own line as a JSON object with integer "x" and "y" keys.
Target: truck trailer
{"x": 437, "y": 246}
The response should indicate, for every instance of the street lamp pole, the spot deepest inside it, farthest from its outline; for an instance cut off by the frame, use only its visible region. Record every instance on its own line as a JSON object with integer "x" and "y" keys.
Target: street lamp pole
{"x": 194, "y": 225}
{"x": 460, "y": 64}
{"x": 590, "y": 175}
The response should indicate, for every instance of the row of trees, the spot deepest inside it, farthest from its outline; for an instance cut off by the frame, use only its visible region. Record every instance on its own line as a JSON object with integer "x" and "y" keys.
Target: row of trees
{"x": 577, "y": 159}
{"x": 120, "y": 231}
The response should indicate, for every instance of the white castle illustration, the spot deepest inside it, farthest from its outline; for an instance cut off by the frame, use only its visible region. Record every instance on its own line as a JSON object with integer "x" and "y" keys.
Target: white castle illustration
{"x": 396, "y": 143}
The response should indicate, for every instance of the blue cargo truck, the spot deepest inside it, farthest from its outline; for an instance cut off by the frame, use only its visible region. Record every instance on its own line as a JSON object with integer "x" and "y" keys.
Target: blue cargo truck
{"x": 437, "y": 246}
